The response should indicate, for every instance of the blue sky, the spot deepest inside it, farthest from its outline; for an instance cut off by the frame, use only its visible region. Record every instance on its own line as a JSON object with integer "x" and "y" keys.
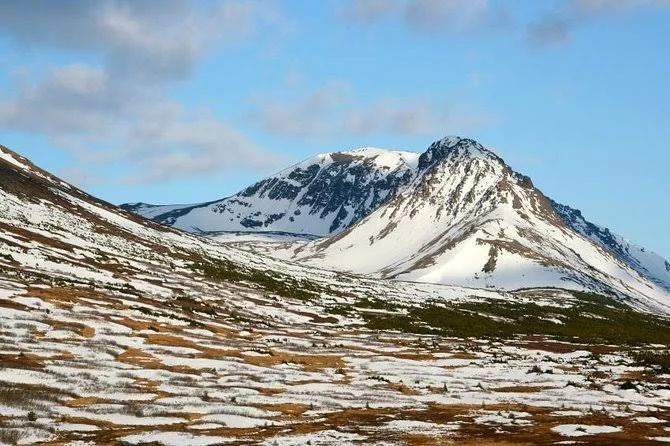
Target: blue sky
{"x": 179, "y": 101}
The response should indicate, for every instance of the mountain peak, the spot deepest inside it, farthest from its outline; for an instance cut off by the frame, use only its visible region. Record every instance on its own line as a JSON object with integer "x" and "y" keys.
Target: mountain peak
{"x": 387, "y": 159}
{"x": 453, "y": 147}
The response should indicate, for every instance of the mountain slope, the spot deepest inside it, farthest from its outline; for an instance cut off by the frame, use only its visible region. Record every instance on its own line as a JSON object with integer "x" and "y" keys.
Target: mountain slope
{"x": 319, "y": 196}
{"x": 649, "y": 264}
{"x": 468, "y": 219}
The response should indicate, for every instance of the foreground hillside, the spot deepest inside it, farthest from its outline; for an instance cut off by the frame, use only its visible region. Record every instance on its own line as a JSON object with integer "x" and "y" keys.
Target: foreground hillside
{"x": 114, "y": 330}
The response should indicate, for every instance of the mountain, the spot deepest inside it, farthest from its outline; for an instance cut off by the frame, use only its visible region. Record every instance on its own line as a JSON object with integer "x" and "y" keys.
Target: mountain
{"x": 469, "y": 219}
{"x": 116, "y": 330}
{"x": 317, "y": 197}
{"x": 456, "y": 214}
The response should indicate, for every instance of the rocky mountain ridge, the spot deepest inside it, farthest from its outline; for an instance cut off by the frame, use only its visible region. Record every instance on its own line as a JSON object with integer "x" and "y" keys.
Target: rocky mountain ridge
{"x": 317, "y": 197}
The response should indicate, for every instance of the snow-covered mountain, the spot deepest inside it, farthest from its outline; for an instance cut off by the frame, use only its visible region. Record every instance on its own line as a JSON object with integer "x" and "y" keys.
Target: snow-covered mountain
{"x": 468, "y": 219}
{"x": 317, "y": 197}
{"x": 456, "y": 214}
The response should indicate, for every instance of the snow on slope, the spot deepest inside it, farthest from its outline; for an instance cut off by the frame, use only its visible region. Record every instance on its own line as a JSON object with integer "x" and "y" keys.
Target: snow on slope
{"x": 319, "y": 196}
{"x": 649, "y": 264}
{"x": 468, "y": 219}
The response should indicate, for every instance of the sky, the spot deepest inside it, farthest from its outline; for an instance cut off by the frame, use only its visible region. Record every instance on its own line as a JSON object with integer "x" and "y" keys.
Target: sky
{"x": 180, "y": 101}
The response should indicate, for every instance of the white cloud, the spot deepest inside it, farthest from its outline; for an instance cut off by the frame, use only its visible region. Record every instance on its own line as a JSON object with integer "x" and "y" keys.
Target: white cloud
{"x": 556, "y": 25}
{"x": 331, "y": 111}
{"x": 118, "y": 111}
{"x": 311, "y": 116}
{"x": 145, "y": 39}
{"x": 165, "y": 146}
{"x": 69, "y": 99}
{"x": 368, "y": 10}
{"x": 80, "y": 109}
{"x": 394, "y": 116}
{"x": 446, "y": 15}
{"x": 432, "y": 16}
{"x": 413, "y": 116}
{"x": 78, "y": 177}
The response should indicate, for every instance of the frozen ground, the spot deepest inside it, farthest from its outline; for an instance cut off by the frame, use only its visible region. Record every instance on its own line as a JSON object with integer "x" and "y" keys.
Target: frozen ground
{"x": 107, "y": 366}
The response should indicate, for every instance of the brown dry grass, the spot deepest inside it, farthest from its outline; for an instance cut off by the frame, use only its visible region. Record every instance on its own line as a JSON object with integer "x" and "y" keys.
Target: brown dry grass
{"x": 463, "y": 355}
{"x": 66, "y": 297}
{"x": 292, "y": 409}
{"x": 632, "y": 433}
{"x": 77, "y": 327}
{"x": 412, "y": 356}
{"x": 564, "y": 347}
{"x": 133, "y": 324}
{"x": 146, "y": 360}
{"x": 225, "y": 331}
{"x": 267, "y": 391}
{"x": 22, "y": 361}
{"x": 177, "y": 341}
{"x": 28, "y": 395}
{"x": 635, "y": 375}
{"x": 60, "y": 297}
{"x": 302, "y": 382}
{"x": 567, "y": 368}
{"x": 425, "y": 440}
{"x": 146, "y": 384}
{"x": 38, "y": 334}
{"x": 521, "y": 389}
{"x": 311, "y": 363}
{"x": 106, "y": 425}
{"x": 65, "y": 356}
{"x": 140, "y": 358}
{"x": 6, "y": 303}
{"x": 83, "y": 401}
{"x": 402, "y": 388}
{"x": 171, "y": 341}
{"x": 136, "y": 325}
{"x": 367, "y": 422}
{"x": 491, "y": 442}
{"x": 550, "y": 346}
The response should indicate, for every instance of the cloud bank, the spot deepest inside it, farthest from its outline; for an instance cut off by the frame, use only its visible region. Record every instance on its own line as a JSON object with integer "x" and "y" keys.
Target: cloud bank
{"x": 115, "y": 108}
{"x": 333, "y": 109}
{"x": 556, "y": 25}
